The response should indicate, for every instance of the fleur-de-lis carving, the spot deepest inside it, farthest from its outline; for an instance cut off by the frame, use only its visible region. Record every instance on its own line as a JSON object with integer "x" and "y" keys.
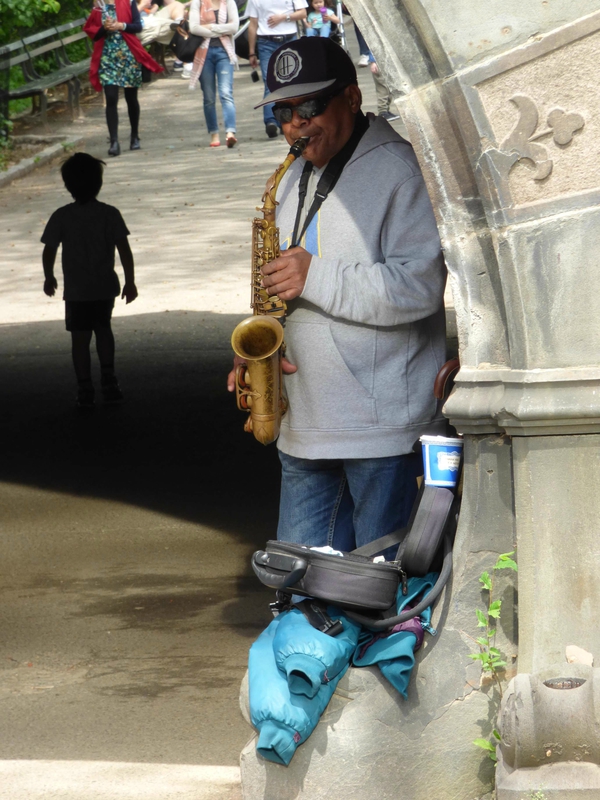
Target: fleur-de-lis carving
{"x": 522, "y": 143}
{"x": 564, "y": 125}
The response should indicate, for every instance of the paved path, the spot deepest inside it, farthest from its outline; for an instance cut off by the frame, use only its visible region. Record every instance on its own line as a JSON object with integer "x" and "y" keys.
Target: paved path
{"x": 126, "y": 602}
{"x": 188, "y": 207}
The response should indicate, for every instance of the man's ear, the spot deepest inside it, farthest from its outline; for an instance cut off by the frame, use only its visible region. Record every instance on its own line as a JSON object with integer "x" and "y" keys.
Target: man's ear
{"x": 354, "y": 97}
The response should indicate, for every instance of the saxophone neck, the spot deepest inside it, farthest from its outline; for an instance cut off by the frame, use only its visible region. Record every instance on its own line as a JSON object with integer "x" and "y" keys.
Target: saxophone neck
{"x": 269, "y": 201}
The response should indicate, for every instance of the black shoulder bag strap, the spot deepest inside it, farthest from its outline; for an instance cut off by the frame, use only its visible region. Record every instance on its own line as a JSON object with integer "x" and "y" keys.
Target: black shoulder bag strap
{"x": 328, "y": 179}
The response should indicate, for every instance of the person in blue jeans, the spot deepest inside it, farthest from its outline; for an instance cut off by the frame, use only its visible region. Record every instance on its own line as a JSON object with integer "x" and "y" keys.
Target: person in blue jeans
{"x": 363, "y": 48}
{"x": 218, "y": 71}
{"x": 272, "y": 24}
{"x": 365, "y": 320}
{"x": 216, "y": 21}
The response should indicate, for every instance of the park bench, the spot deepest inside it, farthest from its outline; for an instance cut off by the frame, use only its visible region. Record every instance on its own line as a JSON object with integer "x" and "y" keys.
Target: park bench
{"x": 29, "y": 52}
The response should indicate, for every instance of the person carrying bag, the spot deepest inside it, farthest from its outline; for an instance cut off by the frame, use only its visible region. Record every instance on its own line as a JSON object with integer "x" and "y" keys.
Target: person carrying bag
{"x": 216, "y": 21}
{"x": 117, "y": 60}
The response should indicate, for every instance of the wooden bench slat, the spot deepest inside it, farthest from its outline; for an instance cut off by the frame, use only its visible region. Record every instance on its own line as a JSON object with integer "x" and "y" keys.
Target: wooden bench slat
{"x": 29, "y": 48}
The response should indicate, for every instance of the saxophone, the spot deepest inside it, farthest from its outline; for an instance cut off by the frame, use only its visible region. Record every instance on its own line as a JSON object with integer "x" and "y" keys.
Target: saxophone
{"x": 259, "y": 339}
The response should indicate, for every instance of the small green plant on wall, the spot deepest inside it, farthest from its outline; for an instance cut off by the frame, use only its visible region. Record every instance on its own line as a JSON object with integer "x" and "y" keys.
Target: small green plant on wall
{"x": 491, "y": 659}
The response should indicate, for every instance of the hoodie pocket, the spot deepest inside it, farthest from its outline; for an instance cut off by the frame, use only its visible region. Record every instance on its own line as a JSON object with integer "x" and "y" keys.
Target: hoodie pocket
{"x": 324, "y": 394}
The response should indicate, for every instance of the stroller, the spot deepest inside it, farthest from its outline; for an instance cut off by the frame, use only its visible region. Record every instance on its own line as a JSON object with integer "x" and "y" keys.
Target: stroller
{"x": 338, "y": 33}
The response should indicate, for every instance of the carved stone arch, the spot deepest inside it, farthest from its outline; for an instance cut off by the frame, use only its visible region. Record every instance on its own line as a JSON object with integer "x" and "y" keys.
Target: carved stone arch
{"x": 500, "y": 107}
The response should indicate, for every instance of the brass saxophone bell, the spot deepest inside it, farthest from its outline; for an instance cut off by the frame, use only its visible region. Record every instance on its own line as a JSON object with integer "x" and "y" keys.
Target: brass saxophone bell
{"x": 258, "y": 382}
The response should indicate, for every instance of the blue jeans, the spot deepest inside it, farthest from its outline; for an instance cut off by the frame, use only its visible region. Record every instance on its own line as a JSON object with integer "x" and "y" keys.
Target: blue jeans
{"x": 218, "y": 70}
{"x": 265, "y": 47}
{"x": 346, "y": 503}
{"x": 363, "y": 47}
{"x": 323, "y": 31}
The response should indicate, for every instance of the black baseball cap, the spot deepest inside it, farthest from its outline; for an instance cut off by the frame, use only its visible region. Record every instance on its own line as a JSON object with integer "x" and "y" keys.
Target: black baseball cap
{"x": 307, "y": 66}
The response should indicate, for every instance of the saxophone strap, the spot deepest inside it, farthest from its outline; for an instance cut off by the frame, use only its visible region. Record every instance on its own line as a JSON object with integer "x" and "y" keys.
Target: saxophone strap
{"x": 328, "y": 179}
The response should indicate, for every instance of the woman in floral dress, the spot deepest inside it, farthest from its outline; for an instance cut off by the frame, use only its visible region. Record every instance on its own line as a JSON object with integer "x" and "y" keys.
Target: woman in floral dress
{"x": 117, "y": 62}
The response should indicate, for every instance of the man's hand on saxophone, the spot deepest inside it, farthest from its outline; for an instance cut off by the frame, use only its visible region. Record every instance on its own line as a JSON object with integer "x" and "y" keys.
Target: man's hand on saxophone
{"x": 286, "y": 367}
{"x": 286, "y": 275}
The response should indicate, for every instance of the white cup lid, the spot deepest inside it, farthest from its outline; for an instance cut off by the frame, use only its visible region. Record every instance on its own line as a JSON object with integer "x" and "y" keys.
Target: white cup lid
{"x": 440, "y": 440}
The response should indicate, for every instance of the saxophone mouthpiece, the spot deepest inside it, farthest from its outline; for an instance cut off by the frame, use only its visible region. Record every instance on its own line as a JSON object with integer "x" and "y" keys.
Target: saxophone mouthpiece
{"x": 298, "y": 147}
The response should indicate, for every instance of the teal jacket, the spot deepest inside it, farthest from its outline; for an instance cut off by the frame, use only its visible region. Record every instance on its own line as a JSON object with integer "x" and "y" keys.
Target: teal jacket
{"x": 294, "y": 670}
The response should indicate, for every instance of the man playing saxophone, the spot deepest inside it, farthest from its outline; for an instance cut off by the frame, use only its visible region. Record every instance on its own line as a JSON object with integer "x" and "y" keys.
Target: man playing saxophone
{"x": 362, "y": 274}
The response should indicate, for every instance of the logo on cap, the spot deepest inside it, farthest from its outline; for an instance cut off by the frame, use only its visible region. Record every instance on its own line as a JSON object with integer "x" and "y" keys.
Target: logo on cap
{"x": 287, "y": 66}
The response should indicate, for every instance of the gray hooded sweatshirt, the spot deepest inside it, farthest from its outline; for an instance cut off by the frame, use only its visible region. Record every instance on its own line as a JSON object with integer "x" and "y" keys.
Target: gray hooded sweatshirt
{"x": 368, "y": 331}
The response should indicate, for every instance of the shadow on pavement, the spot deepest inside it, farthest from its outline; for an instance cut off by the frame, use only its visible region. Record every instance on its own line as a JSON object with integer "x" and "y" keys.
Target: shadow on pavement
{"x": 175, "y": 446}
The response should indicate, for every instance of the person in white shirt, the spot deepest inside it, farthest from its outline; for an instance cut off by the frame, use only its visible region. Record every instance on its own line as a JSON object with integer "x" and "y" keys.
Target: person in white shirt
{"x": 272, "y": 23}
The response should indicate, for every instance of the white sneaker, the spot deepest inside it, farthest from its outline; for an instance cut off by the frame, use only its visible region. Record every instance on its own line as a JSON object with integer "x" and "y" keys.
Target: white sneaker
{"x": 186, "y": 72}
{"x": 363, "y": 61}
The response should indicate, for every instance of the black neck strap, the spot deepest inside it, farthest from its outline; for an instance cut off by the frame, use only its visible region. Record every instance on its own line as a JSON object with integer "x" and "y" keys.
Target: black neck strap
{"x": 328, "y": 179}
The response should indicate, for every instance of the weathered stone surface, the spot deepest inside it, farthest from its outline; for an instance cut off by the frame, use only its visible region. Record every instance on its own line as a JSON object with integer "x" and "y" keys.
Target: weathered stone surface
{"x": 557, "y": 510}
{"x": 577, "y": 655}
{"x": 367, "y": 747}
{"x": 569, "y": 781}
{"x": 548, "y": 723}
{"x": 503, "y": 113}
{"x": 470, "y": 33}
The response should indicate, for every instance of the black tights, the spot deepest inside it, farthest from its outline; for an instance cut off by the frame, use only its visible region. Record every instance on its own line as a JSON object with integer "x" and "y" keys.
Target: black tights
{"x": 112, "y": 115}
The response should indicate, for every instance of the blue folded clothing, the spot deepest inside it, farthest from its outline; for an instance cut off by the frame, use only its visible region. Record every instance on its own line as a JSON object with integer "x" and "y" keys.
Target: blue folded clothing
{"x": 309, "y": 657}
{"x": 283, "y": 720}
{"x": 294, "y": 668}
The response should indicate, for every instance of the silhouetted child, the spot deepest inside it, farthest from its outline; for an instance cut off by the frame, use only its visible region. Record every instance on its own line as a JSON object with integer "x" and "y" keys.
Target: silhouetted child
{"x": 89, "y": 231}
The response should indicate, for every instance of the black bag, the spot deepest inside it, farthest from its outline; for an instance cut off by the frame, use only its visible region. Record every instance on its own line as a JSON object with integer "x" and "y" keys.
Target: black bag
{"x": 146, "y": 74}
{"x": 184, "y": 44}
{"x": 353, "y": 581}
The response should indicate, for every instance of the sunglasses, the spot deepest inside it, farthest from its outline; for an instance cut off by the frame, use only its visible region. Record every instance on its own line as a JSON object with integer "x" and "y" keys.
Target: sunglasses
{"x": 307, "y": 110}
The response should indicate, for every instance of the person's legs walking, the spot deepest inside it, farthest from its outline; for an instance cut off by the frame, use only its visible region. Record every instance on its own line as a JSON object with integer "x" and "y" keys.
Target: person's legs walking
{"x": 105, "y": 347}
{"x": 209, "y": 92}
{"x": 264, "y": 48}
{"x": 80, "y": 352}
{"x": 111, "y": 94}
{"x": 224, "y": 73}
{"x": 363, "y": 48}
{"x": 133, "y": 109}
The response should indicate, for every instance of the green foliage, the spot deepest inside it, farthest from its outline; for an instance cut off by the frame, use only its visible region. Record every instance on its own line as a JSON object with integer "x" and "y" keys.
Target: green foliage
{"x": 5, "y": 142}
{"x": 489, "y": 657}
{"x": 18, "y": 17}
{"x": 489, "y": 747}
{"x": 23, "y": 17}
{"x": 4, "y": 153}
